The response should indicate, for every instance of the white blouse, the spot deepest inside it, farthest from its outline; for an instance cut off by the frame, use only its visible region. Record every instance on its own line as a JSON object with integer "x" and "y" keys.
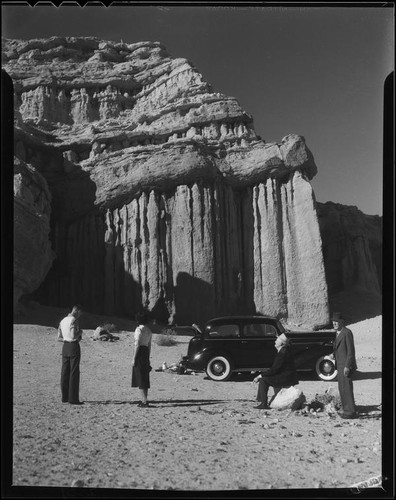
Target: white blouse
{"x": 69, "y": 329}
{"x": 143, "y": 336}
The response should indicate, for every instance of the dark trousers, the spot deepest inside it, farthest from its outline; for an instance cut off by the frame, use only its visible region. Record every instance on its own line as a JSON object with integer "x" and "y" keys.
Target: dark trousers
{"x": 345, "y": 388}
{"x": 70, "y": 375}
{"x": 262, "y": 391}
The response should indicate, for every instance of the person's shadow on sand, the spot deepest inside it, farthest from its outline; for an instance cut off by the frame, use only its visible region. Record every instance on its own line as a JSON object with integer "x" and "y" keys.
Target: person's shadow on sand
{"x": 369, "y": 411}
{"x": 162, "y": 403}
{"x": 303, "y": 375}
{"x": 366, "y": 375}
{"x": 358, "y": 375}
{"x": 188, "y": 402}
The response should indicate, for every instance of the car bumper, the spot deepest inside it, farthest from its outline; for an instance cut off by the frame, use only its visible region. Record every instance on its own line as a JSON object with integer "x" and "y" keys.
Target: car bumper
{"x": 194, "y": 363}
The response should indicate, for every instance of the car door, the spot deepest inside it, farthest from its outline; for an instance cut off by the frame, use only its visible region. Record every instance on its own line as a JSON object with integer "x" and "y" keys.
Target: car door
{"x": 225, "y": 339}
{"x": 258, "y": 339}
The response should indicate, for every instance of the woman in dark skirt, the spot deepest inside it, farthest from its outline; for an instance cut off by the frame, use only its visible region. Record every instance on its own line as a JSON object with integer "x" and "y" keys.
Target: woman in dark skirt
{"x": 141, "y": 358}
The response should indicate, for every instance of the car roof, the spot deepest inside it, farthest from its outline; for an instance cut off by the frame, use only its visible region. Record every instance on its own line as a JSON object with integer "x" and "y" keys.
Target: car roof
{"x": 240, "y": 318}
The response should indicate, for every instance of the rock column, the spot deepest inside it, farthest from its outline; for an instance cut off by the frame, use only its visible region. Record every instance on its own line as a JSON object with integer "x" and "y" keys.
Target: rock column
{"x": 303, "y": 258}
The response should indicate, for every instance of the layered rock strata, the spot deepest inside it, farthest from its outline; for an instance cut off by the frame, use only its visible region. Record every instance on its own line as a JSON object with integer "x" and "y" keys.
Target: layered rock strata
{"x": 163, "y": 196}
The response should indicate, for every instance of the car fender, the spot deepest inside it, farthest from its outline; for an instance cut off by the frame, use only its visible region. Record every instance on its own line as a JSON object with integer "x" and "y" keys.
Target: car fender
{"x": 309, "y": 356}
{"x": 208, "y": 353}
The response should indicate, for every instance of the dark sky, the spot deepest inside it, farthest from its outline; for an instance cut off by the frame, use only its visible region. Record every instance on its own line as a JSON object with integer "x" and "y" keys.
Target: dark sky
{"x": 315, "y": 71}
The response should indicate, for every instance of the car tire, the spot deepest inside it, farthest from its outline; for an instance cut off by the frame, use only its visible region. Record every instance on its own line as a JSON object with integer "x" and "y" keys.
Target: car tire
{"x": 325, "y": 368}
{"x": 219, "y": 368}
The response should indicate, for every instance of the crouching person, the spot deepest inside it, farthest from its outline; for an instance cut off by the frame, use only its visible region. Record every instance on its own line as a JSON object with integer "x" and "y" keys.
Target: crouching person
{"x": 281, "y": 374}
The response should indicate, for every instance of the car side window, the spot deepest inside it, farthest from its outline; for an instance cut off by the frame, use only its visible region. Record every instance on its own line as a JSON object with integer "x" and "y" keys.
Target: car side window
{"x": 270, "y": 331}
{"x": 259, "y": 330}
{"x": 224, "y": 331}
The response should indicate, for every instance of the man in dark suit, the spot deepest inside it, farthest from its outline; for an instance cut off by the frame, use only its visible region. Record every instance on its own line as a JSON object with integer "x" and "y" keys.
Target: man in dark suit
{"x": 344, "y": 353}
{"x": 281, "y": 374}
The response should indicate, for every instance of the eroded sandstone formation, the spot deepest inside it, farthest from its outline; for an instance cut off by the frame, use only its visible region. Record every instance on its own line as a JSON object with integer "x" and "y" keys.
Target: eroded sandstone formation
{"x": 163, "y": 196}
{"x": 352, "y": 248}
{"x": 33, "y": 255}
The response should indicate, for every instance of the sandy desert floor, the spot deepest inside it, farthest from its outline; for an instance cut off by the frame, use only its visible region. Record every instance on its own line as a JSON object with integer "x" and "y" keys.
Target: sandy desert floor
{"x": 197, "y": 434}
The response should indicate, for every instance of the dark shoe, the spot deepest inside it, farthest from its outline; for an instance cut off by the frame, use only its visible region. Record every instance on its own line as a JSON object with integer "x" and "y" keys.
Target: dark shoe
{"x": 65, "y": 401}
{"x": 76, "y": 403}
{"x": 348, "y": 415}
{"x": 143, "y": 405}
{"x": 262, "y": 406}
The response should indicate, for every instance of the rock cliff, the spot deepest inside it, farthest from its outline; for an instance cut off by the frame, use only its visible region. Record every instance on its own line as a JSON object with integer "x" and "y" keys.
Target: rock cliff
{"x": 33, "y": 255}
{"x": 352, "y": 248}
{"x": 163, "y": 196}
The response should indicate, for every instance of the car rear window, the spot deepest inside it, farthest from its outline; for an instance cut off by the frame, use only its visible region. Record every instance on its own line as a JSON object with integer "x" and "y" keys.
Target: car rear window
{"x": 259, "y": 330}
{"x": 224, "y": 331}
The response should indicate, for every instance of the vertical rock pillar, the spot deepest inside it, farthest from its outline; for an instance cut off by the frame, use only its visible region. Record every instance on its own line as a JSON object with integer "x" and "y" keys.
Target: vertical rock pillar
{"x": 269, "y": 279}
{"x": 307, "y": 300}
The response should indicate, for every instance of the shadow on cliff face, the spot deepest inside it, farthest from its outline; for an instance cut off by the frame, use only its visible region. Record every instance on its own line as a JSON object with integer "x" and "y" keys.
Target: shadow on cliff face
{"x": 194, "y": 300}
{"x": 123, "y": 295}
{"x": 89, "y": 273}
{"x": 356, "y": 305}
{"x": 32, "y": 313}
{"x": 73, "y": 194}
{"x": 160, "y": 312}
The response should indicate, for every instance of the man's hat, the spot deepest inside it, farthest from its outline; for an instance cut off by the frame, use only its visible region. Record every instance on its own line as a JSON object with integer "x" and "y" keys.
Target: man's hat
{"x": 336, "y": 317}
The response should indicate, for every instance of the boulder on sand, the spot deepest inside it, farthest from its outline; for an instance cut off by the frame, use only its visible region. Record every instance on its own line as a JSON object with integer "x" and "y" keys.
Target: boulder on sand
{"x": 290, "y": 398}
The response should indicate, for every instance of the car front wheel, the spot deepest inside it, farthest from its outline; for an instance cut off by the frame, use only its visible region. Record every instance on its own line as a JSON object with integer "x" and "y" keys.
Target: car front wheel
{"x": 219, "y": 368}
{"x": 325, "y": 368}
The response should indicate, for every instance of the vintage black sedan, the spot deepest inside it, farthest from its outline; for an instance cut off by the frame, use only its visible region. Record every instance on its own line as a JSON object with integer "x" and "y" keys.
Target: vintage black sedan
{"x": 246, "y": 344}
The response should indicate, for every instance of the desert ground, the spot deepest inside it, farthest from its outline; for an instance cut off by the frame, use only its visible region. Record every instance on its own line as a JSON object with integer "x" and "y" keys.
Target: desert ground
{"x": 196, "y": 435}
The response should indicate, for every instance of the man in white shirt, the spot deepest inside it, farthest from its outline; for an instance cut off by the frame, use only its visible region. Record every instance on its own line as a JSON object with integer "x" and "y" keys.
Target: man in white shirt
{"x": 70, "y": 334}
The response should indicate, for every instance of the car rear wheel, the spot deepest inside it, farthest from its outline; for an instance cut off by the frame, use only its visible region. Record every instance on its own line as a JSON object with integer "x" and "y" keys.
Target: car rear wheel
{"x": 219, "y": 368}
{"x": 325, "y": 368}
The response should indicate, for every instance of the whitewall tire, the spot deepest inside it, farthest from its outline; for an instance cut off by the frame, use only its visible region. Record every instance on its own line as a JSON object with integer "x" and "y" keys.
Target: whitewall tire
{"x": 325, "y": 368}
{"x": 219, "y": 368}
